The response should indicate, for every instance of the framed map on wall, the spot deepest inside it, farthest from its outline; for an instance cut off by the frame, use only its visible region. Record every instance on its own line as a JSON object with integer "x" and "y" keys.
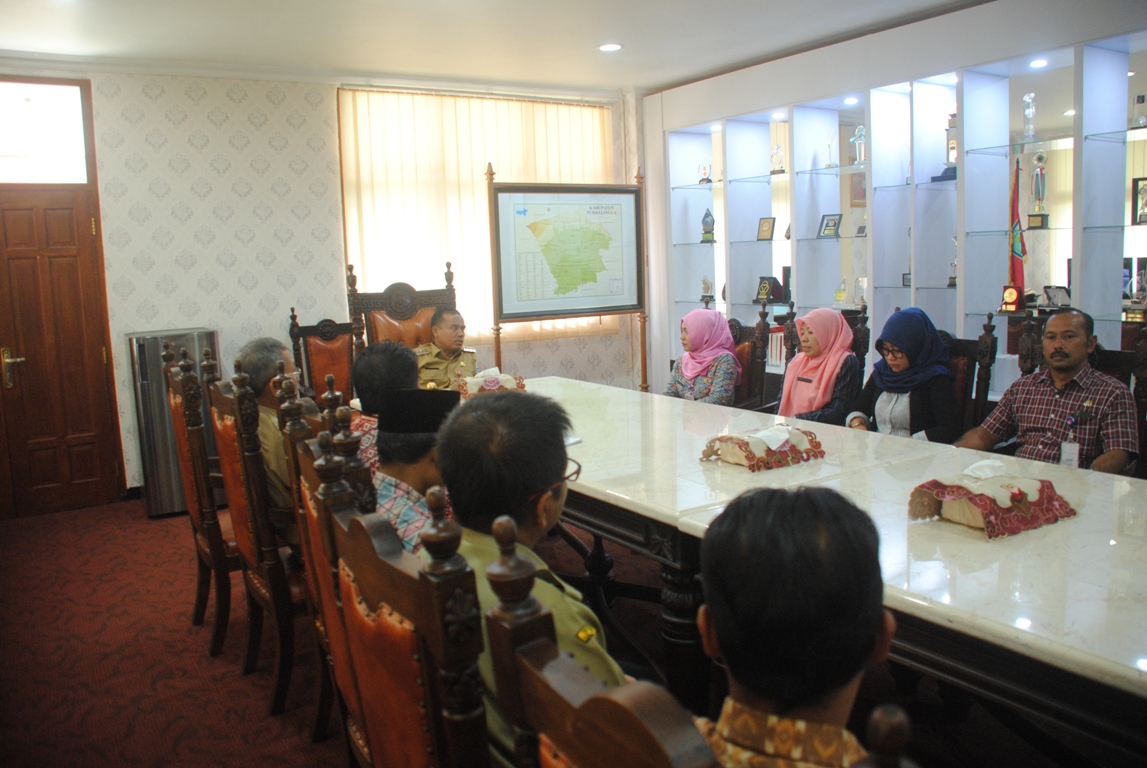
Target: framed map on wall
{"x": 566, "y": 250}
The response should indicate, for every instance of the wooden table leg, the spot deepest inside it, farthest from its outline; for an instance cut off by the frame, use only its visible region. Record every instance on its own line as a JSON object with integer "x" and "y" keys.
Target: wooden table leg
{"x": 687, "y": 666}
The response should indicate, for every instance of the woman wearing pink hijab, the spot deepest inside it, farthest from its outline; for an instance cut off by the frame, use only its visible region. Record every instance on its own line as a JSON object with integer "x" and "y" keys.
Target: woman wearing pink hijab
{"x": 709, "y": 370}
{"x": 823, "y": 379}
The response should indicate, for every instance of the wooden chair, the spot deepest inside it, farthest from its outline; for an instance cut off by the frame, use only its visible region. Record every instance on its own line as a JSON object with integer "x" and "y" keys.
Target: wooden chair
{"x": 548, "y": 697}
{"x": 752, "y": 346}
{"x": 326, "y": 347}
{"x": 857, "y": 320}
{"x": 971, "y": 362}
{"x": 400, "y": 313}
{"x": 411, "y": 626}
{"x": 217, "y": 554}
{"x": 271, "y": 587}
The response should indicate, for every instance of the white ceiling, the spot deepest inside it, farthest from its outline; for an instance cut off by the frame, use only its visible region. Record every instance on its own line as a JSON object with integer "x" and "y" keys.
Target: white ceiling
{"x": 512, "y": 42}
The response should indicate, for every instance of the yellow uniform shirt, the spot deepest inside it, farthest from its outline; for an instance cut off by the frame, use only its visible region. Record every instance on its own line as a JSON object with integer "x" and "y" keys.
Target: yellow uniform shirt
{"x": 437, "y": 368}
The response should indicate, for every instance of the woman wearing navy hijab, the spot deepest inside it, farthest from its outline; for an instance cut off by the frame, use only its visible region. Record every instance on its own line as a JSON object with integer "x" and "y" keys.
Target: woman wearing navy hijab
{"x": 909, "y": 393}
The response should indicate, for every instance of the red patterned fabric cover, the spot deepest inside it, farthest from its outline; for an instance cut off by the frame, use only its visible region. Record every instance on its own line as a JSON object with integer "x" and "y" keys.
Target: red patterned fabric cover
{"x": 335, "y": 356}
{"x": 385, "y": 649}
{"x": 227, "y": 442}
{"x": 1023, "y": 514}
{"x": 413, "y": 332}
{"x": 322, "y": 586}
{"x": 736, "y": 449}
{"x": 183, "y": 451}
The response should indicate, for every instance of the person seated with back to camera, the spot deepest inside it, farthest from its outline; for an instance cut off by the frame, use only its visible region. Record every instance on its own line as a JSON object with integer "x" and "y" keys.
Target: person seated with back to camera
{"x": 398, "y": 423}
{"x": 794, "y": 607}
{"x": 504, "y": 454}
{"x": 823, "y": 379}
{"x": 1068, "y": 412}
{"x": 909, "y": 393}
{"x": 378, "y": 369}
{"x": 444, "y": 358}
{"x": 708, "y": 371}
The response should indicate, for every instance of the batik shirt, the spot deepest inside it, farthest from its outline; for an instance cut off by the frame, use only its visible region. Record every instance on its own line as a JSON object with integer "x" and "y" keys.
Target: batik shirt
{"x": 747, "y": 738}
{"x": 1101, "y": 412}
{"x": 716, "y": 385}
{"x": 404, "y": 507}
{"x": 367, "y": 426}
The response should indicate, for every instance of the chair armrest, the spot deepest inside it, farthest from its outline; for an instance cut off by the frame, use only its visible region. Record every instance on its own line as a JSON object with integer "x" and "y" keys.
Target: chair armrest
{"x": 769, "y": 407}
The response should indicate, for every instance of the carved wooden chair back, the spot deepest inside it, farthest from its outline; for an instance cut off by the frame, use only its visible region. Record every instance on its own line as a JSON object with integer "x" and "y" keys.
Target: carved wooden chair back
{"x": 751, "y": 348}
{"x": 546, "y": 695}
{"x": 326, "y": 347}
{"x": 971, "y": 363}
{"x": 414, "y": 636}
{"x": 400, "y": 313}
{"x": 270, "y": 586}
{"x": 217, "y": 555}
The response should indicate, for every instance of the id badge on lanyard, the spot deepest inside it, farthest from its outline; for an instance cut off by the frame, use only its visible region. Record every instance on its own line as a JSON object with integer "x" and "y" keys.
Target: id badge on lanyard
{"x": 1069, "y": 449}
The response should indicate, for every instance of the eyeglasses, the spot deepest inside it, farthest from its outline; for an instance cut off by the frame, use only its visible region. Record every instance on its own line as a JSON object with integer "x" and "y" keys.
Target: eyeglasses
{"x": 893, "y": 352}
{"x": 569, "y": 477}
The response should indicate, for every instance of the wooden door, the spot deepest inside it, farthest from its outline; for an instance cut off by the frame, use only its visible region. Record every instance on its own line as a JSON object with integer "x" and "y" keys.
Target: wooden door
{"x": 56, "y": 426}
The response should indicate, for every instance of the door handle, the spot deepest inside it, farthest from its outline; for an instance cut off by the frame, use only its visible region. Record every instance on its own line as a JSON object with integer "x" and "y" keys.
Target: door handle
{"x": 9, "y": 361}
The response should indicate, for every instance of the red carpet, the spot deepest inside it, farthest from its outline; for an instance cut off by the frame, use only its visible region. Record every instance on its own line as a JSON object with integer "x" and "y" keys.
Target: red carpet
{"x": 100, "y": 665}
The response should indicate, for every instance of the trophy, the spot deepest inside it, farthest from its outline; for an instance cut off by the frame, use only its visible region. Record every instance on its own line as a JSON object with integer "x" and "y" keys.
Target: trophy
{"x": 1038, "y": 218}
{"x": 1139, "y": 119}
{"x": 951, "y": 279}
{"x": 707, "y": 224}
{"x": 706, "y": 290}
{"x": 704, "y": 170}
{"x": 778, "y": 160}
{"x": 859, "y": 288}
{"x": 1029, "y": 117}
{"x": 830, "y": 163}
{"x": 857, "y": 140}
{"x": 1141, "y": 214}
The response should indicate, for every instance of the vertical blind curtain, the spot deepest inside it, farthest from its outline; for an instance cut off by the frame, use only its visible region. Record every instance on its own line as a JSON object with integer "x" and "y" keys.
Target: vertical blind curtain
{"x": 414, "y": 185}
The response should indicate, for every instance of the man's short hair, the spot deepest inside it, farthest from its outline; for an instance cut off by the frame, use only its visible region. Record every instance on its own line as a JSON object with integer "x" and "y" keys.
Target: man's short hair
{"x": 496, "y": 451}
{"x": 380, "y": 368}
{"x": 793, "y": 588}
{"x": 1088, "y": 320}
{"x": 260, "y": 359}
{"x": 395, "y": 448}
{"x": 441, "y": 313}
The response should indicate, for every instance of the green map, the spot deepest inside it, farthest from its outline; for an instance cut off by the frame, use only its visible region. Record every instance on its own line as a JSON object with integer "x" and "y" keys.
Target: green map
{"x": 567, "y": 249}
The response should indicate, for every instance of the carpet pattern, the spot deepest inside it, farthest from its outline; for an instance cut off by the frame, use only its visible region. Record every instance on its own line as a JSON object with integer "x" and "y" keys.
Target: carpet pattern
{"x": 100, "y": 665}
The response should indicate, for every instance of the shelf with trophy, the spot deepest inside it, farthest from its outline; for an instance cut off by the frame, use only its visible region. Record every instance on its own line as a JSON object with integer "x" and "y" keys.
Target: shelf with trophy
{"x": 756, "y": 199}
{"x": 696, "y": 217}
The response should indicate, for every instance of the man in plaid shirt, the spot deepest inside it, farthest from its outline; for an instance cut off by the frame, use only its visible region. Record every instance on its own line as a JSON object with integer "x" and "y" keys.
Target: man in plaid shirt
{"x": 1068, "y": 402}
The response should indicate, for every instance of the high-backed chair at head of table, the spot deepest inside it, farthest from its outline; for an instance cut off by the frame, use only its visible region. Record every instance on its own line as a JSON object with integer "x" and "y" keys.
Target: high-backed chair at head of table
{"x": 399, "y": 313}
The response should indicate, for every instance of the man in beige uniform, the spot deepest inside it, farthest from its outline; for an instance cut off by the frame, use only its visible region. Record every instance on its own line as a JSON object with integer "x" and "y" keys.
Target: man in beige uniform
{"x": 439, "y": 360}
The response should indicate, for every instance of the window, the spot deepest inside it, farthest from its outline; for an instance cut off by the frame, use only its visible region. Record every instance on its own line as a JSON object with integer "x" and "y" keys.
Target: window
{"x": 41, "y": 134}
{"x": 415, "y": 191}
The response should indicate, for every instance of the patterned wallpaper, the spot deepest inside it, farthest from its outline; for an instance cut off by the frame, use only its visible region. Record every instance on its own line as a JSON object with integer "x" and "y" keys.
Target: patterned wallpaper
{"x": 221, "y": 208}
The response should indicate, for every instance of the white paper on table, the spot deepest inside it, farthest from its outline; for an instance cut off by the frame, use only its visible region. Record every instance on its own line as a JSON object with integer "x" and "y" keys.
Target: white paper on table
{"x": 488, "y": 373}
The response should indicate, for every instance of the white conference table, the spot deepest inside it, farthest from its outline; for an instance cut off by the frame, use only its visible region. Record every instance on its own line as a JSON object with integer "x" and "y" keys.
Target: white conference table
{"x": 1052, "y": 621}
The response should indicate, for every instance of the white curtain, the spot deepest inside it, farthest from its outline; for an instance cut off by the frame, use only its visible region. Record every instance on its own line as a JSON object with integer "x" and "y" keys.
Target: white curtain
{"x": 414, "y": 184}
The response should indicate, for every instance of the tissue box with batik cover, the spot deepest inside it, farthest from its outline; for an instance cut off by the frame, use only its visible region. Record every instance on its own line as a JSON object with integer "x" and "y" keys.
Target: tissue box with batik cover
{"x": 772, "y": 448}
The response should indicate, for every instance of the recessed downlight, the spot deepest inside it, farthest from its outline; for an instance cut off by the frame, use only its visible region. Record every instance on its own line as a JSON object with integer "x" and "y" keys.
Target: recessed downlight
{"x": 715, "y": 128}
{"x": 1069, "y": 113}
{"x": 778, "y": 115}
{"x": 1038, "y": 63}
{"x": 851, "y": 101}
{"x": 609, "y": 47}
{"x": 1131, "y": 74}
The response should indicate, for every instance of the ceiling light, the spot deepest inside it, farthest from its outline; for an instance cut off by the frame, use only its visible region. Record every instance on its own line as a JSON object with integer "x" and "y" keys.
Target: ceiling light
{"x": 953, "y": 80}
{"x": 1038, "y": 63}
{"x": 778, "y": 115}
{"x": 851, "y": 101}
{"x": 609, "y": 47}
{"x": 1131, "y": 74}
{"x": 1069, "y": 113}
{"x": 716, "y": 128}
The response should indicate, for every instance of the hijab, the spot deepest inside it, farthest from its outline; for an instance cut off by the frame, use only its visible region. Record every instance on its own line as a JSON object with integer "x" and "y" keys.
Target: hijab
{"x": 911, "y": 331}
{"x": 710, "y": 338}
{"x": 809, "y": 381}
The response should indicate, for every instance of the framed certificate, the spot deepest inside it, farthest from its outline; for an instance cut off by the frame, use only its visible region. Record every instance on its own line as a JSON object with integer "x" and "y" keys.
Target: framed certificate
{"x": 765, "y": 228}
{"x": 829, "y": 225}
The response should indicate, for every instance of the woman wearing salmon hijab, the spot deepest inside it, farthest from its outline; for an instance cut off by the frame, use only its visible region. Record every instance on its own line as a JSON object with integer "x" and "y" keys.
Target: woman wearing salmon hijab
{"x": 709, "y": 370}
{"x": 823, "y": 379}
